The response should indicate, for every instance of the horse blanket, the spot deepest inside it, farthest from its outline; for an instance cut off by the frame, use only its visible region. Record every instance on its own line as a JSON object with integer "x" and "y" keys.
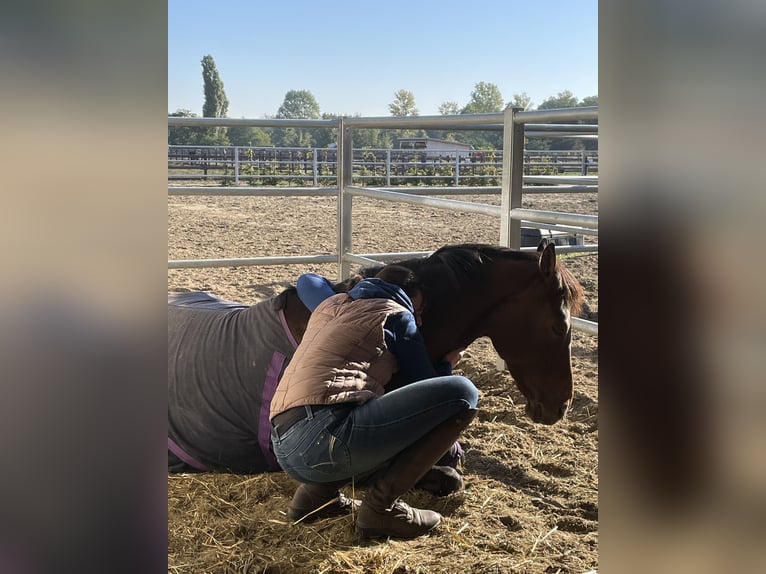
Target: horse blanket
{"x": 224, "y": 362}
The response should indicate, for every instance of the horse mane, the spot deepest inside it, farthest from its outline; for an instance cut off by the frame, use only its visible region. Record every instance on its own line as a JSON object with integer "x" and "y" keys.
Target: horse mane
{"x": 456, "y": 267}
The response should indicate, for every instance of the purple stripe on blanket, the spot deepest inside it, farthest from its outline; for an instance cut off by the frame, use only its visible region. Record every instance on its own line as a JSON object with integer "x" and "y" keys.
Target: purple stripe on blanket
{"x": 264, "y": 424}
{"x": 184, "y": 456}
{"x": 289, "y": 333}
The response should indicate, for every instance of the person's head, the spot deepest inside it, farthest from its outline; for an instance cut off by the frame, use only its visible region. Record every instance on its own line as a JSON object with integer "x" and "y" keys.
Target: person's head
{"x": 408, "y": 281}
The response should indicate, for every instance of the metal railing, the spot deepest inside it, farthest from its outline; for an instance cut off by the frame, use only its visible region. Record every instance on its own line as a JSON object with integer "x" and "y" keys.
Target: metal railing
{"x": 314, "y": 166}
{"x": 515, "y": 125}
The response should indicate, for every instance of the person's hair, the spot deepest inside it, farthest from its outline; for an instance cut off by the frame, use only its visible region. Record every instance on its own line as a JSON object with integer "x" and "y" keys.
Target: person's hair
{"x": 401, "y": 276}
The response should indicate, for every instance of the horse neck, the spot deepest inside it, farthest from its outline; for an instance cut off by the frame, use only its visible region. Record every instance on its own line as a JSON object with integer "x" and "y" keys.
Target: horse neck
{"x": 296, "y": 314}
{"x": 466, "y": 314}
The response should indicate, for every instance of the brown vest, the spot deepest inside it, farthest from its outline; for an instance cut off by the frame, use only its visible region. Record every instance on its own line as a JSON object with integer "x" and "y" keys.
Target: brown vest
{"x": 343, "y": 356}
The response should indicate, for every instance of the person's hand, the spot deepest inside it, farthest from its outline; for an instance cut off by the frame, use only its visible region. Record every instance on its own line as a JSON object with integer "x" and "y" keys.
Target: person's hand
{"x": 454, "y": 356}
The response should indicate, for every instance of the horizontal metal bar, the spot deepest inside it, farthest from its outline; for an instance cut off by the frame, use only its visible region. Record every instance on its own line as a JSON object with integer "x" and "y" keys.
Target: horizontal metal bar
{"x": 253, "y": 191}
{"x": 361, "y": 260}
{"x": 567, "y": 179}
{"x": 565, "y": 228}
{"x": 263, "y": 123}
{"x": 568, "y": 248}
{"x": 423, "y": 190}
{"x": 562, "y": 134}
{"x": 583, "y": 325}
{"x": 557, "y": 115}
{"x": 576, "y": 128}
{"x": 287, "y": 260}
{"x": 465, "y": 121}
{"x": 450, "y": 204}
{"x": 559, "y": 189}
{"x": 588, "y": 221}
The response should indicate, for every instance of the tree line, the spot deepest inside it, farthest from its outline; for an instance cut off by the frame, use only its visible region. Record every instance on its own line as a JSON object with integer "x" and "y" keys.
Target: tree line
{"x": 301, "y": 104}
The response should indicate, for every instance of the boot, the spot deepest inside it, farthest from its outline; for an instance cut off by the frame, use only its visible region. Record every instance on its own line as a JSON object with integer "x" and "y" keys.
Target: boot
{"x": 310, "y": 502}
{"x": 453, "y": 457}
{"x": 441, "y": 481}
{"x": 382, "y": 513}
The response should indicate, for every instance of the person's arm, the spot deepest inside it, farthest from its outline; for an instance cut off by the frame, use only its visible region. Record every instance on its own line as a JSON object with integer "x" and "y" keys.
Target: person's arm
{"x": 313, "y": 289}
{"x": 407, "y": 344}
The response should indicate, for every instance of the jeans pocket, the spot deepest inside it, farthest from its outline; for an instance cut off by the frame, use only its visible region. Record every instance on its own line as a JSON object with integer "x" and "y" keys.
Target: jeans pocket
{"x": 327, "y": 457}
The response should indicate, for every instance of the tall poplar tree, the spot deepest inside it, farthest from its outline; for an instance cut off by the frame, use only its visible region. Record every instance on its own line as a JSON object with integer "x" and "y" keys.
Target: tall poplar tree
{"x": 216, "y": 103}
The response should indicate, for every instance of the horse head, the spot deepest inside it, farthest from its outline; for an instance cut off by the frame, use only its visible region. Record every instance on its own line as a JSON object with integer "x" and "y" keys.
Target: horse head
{"x": 522, "y": 301}
{"x": 531, "y": 330}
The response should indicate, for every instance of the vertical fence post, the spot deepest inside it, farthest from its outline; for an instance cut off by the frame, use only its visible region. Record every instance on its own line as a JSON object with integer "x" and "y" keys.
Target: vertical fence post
{"x": 513, "y": 166}
{"x": 315, "y": 167}
{"x": 236, "y": 165}
{"x": 344, "y": 167}
{"x": 388, "y": 167}
{"x": 510, "y": 189}
{"x": 457, "y": 168}
{"x": 584, "y": 164}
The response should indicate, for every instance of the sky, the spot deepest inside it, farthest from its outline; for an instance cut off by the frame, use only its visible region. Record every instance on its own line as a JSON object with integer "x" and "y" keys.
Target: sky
{"x": 354, "y": 55}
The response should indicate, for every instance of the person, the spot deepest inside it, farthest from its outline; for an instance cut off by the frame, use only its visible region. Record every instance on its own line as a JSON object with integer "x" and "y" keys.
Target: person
{"x": 333, "y": 422}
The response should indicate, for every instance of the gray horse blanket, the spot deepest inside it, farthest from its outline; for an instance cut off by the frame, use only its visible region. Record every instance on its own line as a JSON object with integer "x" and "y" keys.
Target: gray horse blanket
{"x": 224, "y": 362}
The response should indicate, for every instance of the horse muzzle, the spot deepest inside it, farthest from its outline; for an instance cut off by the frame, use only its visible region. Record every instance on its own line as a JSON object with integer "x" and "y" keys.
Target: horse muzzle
{"x": 542, "y": 414}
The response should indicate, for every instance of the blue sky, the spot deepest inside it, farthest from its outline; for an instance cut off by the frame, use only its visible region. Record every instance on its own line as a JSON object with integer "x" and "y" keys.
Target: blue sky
{"x": 353, "y": 55}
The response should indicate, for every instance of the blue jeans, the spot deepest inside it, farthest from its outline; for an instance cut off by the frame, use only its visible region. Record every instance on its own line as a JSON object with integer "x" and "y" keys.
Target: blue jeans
{"x": 336, "y": 442}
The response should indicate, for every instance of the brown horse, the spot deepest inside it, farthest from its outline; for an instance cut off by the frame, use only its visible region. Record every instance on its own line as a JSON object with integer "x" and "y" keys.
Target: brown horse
{"x": 225, "y": 358}
{"x": 523, "y": 302}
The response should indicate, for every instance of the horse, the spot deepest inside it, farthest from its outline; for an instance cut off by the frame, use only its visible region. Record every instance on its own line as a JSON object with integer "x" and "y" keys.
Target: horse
{"x": 522, "y": 301}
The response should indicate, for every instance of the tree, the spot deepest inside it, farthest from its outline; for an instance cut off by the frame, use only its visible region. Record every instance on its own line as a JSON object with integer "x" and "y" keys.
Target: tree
{"x": 521, "y": 100}
{"x": 565, "y": 99}
{"x": 216, "y": 104}
{"x": 590, "y": 101}
{"x": 403, "y": 104}
{"x": 248, "y": 136}
{"x": 485, "y": 99}
{"x": 449, "y": 109}
{"x": 184, "y": 135}
{"x": 297, "y": 105}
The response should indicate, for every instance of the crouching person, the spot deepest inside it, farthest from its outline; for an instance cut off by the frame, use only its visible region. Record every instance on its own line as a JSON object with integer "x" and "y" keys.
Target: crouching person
{"x": 332, "y": 422}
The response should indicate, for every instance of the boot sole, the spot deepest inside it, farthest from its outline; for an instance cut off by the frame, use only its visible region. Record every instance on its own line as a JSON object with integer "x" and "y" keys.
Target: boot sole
{"x": 382, "y": 533}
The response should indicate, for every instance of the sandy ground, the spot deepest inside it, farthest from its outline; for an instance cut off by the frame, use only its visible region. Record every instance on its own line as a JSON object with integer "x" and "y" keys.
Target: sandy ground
{"x": 531, "y": 498}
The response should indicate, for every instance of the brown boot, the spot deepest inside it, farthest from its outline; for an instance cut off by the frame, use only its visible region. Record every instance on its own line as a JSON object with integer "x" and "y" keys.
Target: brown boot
{"x": 382, "y": 513}
{"x": 313, "y": 501}
{"x": 441, "y": 481}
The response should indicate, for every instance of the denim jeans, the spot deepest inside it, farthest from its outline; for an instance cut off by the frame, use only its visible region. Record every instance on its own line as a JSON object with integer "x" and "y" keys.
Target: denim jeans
{"x": 337, "y": 442}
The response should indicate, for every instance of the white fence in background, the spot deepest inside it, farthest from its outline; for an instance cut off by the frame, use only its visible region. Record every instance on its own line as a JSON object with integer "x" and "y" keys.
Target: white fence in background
{"x": 515, "y": 125}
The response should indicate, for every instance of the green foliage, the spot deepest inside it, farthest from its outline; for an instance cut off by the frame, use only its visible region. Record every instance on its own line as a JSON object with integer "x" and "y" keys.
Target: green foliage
{"x": 299, "y": 104}
{"x": 403, "y": 104}
{"x": 216, "y": 104}
{"x": 565, "y": 99}
{"x": 521, "y": 100}
{"x": 485, "y": 99}
{"x": 184, "y": 135}
{"x": 248, "y": 136}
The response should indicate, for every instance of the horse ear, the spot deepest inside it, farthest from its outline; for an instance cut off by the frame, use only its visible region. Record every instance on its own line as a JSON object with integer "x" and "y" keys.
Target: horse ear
{"x": 542, "y": 245}
{"x": 548, "y": 260}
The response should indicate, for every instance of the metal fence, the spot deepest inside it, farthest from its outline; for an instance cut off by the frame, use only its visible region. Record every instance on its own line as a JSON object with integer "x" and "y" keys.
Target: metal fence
{"x": 515, "y": 125}
{"x": 318, "y": 166}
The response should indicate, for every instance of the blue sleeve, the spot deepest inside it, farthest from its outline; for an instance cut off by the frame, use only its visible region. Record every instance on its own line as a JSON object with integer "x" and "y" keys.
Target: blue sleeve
{"x": 407, "y": 344}
{"x": 313, "y": 289}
